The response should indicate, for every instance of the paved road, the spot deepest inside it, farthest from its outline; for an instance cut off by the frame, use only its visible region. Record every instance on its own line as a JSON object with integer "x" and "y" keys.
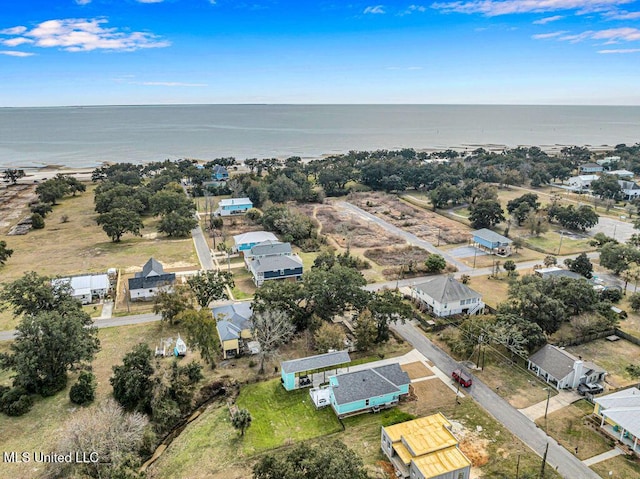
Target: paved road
{"x": 410, "y": 238}
{"x": 568, "y": 465}
{"x": 202, "y": 248}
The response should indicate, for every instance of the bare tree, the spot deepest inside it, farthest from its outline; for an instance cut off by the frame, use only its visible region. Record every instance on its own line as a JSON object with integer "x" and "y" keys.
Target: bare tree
{"x": 272, "y": 329}
{"x": 109, "y": 432}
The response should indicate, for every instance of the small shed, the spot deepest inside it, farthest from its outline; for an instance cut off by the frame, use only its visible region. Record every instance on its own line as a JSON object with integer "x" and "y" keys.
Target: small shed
{"x": 291, "y": 371}
{"x": 492, "y": 242}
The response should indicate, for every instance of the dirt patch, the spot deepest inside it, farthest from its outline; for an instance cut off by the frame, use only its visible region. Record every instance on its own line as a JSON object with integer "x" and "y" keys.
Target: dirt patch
{"x": 14, "y": 202}
{"x": 347, "y": 229}
{"x": 416, "y": 370}
{"x": 395, "y": 255}
{"x": 429, "y": 397}
{"x": 424, "y": 224}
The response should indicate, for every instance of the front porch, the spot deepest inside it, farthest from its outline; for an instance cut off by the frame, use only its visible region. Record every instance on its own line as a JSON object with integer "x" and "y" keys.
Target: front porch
{"x": 622, "y": 437}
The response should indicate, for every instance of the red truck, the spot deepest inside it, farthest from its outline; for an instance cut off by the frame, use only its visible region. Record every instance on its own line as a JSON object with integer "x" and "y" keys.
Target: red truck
{"x": 460, "y": 377}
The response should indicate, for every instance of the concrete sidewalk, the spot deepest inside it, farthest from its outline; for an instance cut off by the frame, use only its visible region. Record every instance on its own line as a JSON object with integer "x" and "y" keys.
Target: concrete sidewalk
{"x": 602, "y": 457}
{"x": 562, "y": 399}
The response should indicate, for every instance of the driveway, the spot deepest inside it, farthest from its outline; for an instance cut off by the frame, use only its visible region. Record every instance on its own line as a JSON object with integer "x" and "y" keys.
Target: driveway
{"x": 568, "y": 466}
{"x": 557, "y": 402}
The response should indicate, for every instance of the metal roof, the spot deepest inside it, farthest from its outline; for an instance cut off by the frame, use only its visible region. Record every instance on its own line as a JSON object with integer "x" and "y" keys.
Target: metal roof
{"x": 270, "y": 247}
{"x": 254, "y": 237}
{"x": 446, "y": 289}
{"x": 315, "y": 362}
{"x": 235, "y": 202}
{"x": 369, "y": 383}
{"x": 491, "y": 236}
{"x": 621, "y": 399}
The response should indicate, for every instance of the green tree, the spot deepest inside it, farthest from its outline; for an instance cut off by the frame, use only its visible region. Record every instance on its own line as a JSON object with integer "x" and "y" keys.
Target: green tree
{"x": 177, "y": 224}
{"x": 210, "y": 286}
{"x": 510, "y": 267}
{"x": 366, "y": 330}
{"x": 550, "y": 260}
{"x": 536, "y": 223}
{"x": 120, "y": 221}
{"x": 73, "y": 184}
{"x": 443, "y": 194}
{"x": 50, "y": 191}
{"x": 329, "y": 336}
{"x": 607, "y": 187}
{"x": 84, "y": 390}
{"x": 529, "y": 301}
{"x": 12, "y": 175}
{"x": 618, "y": 257}
{"x": 132, "y": 380}
{"x": 5, "y": 253}
{"x": 634, "y": 301}
{"x": 271, "y": 329}
{"x": 435, "y": 263}
{"x": 329, "y": 292}
{"x": 486, "y": 214}
{"x": 167, "y": 201}
{"x": 202, "y": 334}
{"x": 330, "y": 459}
{"x": 47, "y": 345}
{"x": 170, "y": 303}
{"x": 580, "y": 265}
{"x": 41, "y": 208}
{"x": 285, "y": 296}
{"x": 32, "y": 294}
{"x": 37, "y": 221}
{"x": 388, "y": 306}
{"x": 241, "y": 420}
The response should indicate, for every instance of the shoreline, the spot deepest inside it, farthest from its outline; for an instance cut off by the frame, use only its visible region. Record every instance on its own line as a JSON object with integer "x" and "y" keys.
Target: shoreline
{"x": 39, "y": 171}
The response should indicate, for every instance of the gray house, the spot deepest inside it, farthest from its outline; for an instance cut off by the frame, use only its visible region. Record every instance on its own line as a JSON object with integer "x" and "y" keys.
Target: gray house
{"x": 562, "y": 369}
{"x": 152, "y": 279}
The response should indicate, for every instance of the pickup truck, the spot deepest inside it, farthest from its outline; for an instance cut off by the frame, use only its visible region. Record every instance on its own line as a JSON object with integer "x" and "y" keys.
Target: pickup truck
{"x": 460, "y": 377}
{"x": 590, "y": 388}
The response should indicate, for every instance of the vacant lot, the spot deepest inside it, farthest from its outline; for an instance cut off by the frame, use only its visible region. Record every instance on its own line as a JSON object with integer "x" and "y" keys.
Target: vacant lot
{"x": 624, "y": 467}
{"x": 424, "y": 224}
{"x": 494, "y": 291}
{"x": 613, "y": 357}
{"x": 417, "y": 370}
{"x": 568, "y": 428}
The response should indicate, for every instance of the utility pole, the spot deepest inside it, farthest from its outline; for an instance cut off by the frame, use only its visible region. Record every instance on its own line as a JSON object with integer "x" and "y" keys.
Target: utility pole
{"x": 544, "y": 461}
{"x": 518, "y": 468}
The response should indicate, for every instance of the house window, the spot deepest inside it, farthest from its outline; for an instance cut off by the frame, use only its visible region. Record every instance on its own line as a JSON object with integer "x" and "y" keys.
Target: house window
{"x": 281, "y": 272}
{"x": 461, "y": 475}
{"x": 366, "y": 403}
{"x": 151, "y": 291}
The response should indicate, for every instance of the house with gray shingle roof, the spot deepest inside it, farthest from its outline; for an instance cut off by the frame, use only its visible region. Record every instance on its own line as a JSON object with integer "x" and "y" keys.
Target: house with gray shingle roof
{"x": 368, "y": 390}
{"x": 562, "y": 369}
{"x": 146, "y": 284}
{"x": 445, "y": 296}
{"x": 270, "y": 260}
{"x": 233, "y": 322}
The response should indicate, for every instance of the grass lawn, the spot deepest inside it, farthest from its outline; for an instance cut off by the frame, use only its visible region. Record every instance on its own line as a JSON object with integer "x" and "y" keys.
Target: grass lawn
{"x": 282, "y": 417}
{"x": 568, "y": 428}
{"x": 550, "y": 243}
{"x": 614, "y": 357}
{"x": 493, "y": 291}
{"x": 621, "y": 466}
{"x": 80, "y": 246}
{"x": 513, "y": 382}
{"x": 39, "y": 429}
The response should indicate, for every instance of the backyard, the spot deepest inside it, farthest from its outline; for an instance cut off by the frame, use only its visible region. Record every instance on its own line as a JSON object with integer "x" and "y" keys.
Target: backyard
{"x": 614, "y": 357}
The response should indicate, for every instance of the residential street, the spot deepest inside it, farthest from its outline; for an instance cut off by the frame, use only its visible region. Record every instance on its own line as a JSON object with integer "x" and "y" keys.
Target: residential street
{"x": 202, "y": 248}
{"x": 567, "y": 464}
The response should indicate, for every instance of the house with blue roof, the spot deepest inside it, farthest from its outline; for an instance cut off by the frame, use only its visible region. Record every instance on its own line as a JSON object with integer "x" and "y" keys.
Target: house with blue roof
{"x": 233, "y": 323}
{"x": 492, "y": 242}
{"x": 219, "y": 173}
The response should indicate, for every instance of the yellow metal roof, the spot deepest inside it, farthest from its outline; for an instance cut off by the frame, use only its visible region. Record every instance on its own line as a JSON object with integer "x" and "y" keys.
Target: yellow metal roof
{"x": 403, "y": 453}
{"x": 423, "y": 435}
{"x": 442, "y": 461}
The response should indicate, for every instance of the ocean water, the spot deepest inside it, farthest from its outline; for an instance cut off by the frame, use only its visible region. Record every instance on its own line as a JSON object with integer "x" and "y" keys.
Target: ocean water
{"x": 89, "y": 136}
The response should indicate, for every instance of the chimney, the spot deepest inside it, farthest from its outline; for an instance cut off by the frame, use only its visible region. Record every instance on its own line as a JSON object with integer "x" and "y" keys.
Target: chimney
{"x": 578, "y": 368}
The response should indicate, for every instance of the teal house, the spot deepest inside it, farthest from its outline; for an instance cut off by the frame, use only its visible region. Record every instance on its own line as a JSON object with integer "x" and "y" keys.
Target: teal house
{"x": 233, "y": 206}
{"x": 368, "y": 390}
{"x": 299, "y": 373}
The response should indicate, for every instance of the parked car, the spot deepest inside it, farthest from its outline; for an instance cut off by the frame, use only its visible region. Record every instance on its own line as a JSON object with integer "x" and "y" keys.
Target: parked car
{"x": 461, "y": 377}
{"x": 589, "y": 388}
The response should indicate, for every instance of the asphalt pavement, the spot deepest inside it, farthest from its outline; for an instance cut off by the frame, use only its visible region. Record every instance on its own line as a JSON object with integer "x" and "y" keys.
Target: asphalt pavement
{"x": 567, "y": 465}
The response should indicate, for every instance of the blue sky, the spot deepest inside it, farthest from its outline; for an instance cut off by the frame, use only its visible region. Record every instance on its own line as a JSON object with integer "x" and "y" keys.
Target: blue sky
{"x": 89, "y": 52}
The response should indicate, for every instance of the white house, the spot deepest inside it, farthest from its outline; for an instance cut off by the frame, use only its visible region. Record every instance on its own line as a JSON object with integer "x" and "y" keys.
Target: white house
{"x": 620, "y": 416}
{"x": 622, "y": 174}
{"x": 88, "y": 287}
{"x": 562, "y": 369}
{"x": 444, "y": 296}
{"x": 147, "y": 283}
{"x": 590, "y": 168}
{"x": 582, "y": 182}
{"x": 630, "y": 189}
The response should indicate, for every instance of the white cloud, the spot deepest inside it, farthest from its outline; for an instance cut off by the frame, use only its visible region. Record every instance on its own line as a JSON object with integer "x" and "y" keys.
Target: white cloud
{"x": 171, "y": 84}
{"x": 626, "y": 34}
{"x": 150, "y": 1}
{"x": 14, "y": 42}
{"x": 376, "y": 9}
{"x": 83, "y": 2}
{"x": 621, "y": 15}
{"x": 414, "y": 8}
{"x": 82, "y": 35}
{"x": 620, "y": 50}
{"x": 13, "y": 31}
{"x": 542, "y": 36}
{"x": 492, "y": 8}
{"x": 13, "y": 53}
{"x": 544, "y": 21}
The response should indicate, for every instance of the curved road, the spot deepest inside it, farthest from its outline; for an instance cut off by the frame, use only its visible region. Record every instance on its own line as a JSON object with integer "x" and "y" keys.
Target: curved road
{"x": 568, "y": 466}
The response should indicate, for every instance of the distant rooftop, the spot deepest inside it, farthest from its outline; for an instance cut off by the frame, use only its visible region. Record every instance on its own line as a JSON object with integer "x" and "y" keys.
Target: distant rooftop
{"x": 315, "y": 362}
